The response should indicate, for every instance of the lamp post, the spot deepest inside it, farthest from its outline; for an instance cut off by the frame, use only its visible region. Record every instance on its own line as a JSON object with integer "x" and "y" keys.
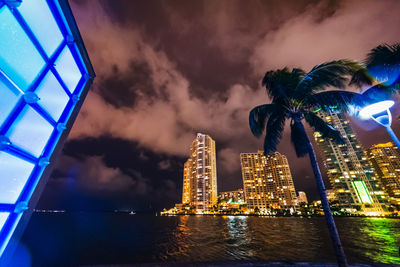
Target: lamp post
{"x": 380, "y": 113}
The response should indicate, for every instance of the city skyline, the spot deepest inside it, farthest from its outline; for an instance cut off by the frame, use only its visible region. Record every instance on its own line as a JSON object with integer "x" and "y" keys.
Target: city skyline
{"x": 199, "y": 132}
{"x": 150, "y": 97}
{"x": 370, "y": 183}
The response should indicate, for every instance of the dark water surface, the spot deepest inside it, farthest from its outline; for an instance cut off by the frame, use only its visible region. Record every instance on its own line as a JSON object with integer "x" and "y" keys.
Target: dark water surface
{"x": 111, "y": 238}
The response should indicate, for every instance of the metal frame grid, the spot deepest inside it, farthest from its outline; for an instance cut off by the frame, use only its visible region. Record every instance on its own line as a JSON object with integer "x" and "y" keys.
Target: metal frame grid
{"x": 71, "y": 40}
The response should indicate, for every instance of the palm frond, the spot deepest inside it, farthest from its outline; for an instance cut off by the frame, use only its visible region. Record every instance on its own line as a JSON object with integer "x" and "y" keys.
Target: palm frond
{"x": 281, "y": 83}
{"x": 324, "y": 128}
{"x": 384, "y": 54}
{"x": 383, "y": 64}
{"x": 299, "y": 138}
{"x": 327, "y": 74}
{"x": 361, "y": 77}
{"x": 258, "y": 117}
{"x": 275, "y": 126}
{"x": 339, "y": 100}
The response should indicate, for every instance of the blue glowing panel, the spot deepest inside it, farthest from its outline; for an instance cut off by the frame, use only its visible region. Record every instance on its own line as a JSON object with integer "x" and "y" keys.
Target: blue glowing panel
{"x": 14, "y": 174}
{"x": 30, "y": 132}
{"x": 3, "y": 219}
{"x": 8, "y": 100}
{"x": 19, "y": 59}
{"x": 40, "y": 20}
{"x": 67, "y": 68}
{"x": 43, "y": 69}
{"x": 52, "y": 96}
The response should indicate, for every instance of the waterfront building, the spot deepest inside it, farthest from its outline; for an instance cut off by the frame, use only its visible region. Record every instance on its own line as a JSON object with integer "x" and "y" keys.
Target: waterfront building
{"x": 331, "y": 195}
{"x": 187, "y": 174}
{"x": 385, "y": 159}
{"x": 302, "y": 197}
{"x": 45, "y": 74}
{"x": 236, "y": 196}
{"x": 267, "y": 181}
{"x": 350, "y": 173}
{"x": 200, "y": 175}
{"x": 231, "y": 200}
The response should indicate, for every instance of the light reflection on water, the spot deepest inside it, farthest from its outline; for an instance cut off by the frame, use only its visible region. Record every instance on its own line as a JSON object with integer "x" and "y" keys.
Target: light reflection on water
{"x": 246, "y": 238}
{"x": 374, "y": 238}
{"x": 89, "y": 239}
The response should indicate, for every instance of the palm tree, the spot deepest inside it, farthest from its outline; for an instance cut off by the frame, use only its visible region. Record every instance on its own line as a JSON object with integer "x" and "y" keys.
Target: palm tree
{"x": 296, "y": 96}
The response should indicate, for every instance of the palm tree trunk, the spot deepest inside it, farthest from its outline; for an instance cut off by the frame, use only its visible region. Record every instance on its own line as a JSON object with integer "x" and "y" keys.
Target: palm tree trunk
{"x": 340, "y": 256}
{"x": 337, "y": 245}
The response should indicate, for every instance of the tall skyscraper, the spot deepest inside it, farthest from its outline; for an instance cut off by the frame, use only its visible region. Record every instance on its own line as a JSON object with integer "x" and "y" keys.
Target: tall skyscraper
{"x": 267, "y": 181}
{"x": 187, "y": 174}
{"x": 200, "y": 175}
{"x": 350, "y": 173}
{"x": 385, "y": 159}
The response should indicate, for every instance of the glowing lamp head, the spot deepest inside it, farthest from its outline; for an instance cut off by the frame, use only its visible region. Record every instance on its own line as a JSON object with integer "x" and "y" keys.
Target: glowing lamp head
{"x": 375, "y": 108}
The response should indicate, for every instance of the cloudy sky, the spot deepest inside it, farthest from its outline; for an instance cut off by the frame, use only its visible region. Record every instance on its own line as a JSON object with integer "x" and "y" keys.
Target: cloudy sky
{"x": 169, "y": 69}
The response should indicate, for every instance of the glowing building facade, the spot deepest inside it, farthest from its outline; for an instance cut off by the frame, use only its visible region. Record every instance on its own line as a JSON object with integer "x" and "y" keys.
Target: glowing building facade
{"x": 45, "y": 74}
{"x": 331, "y": 196}
{"x": 349, "y": 171}
{"x": 187, "y": 174}
{"x": 267, "y": 181}
{"x": 385, "y": 159}
{"x": 200, "y": 175}
{"x": 302, "y": 197}
{"x": 236, "y": 196}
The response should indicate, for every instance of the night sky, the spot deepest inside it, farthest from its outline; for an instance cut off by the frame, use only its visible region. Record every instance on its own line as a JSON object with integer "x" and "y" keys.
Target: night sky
{"x": 169, "y": 69}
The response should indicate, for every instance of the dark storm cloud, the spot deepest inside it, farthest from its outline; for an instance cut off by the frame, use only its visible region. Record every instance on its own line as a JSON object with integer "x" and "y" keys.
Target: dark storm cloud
{"x": 125, "y": 86}
{"x": 168, "y": 69}
{"x": 204, "y": 37}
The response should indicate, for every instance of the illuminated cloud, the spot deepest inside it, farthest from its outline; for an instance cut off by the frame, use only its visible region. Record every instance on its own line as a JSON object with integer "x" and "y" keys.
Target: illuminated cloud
{"x": 350, "y": 32}
{"x": 164, "y": 75}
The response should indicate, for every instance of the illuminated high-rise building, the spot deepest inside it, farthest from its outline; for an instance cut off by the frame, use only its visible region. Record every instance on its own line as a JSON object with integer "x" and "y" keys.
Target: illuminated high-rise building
{"x": 350, "y": 173}
{"x": 200, "y": 175}
{"x": 385, "y": 159}
{"x": 267, "y": 181}
{"x": 331, "y": 196}
{"x": 187, "y": 173}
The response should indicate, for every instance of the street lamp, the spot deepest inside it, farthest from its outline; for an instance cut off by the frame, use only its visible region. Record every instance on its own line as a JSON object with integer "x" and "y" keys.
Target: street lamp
{"x": 377, "y": 110}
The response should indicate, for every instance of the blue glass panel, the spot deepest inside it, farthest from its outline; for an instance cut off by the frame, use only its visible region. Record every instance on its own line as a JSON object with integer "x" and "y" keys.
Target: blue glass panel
{"x": 52, "y": 96}
{"x": 19, "y": 59}
{"x": 68, "y": 70}
{"x": 8, "y": 99}
{"x": 14, "y": 174}
{"x": 3, "y": 219}
{"x": 30, "y": 132}
{"x": 39, "y": 18}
